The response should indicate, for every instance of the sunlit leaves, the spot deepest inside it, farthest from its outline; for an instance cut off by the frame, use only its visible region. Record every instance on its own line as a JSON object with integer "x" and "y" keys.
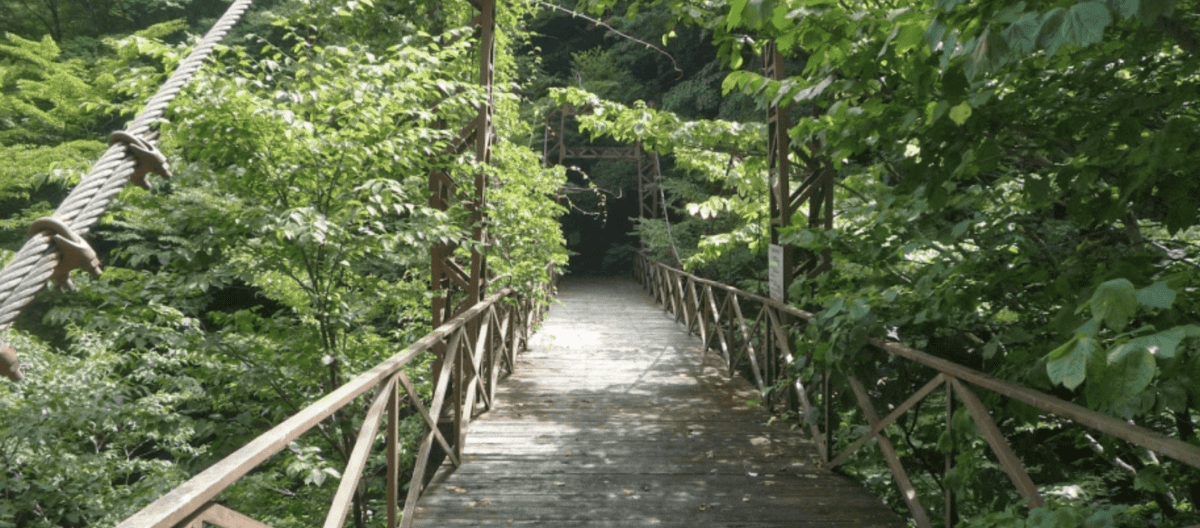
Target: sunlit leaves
{"x": 960, "y": 113}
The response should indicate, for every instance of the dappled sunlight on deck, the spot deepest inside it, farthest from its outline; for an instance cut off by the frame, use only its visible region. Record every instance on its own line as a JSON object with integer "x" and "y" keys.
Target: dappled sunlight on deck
{"x": 612, "y": 419}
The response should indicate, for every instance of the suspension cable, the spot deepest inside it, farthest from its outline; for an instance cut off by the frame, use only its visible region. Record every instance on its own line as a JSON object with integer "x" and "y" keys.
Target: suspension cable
{"x": 39, "y": 259}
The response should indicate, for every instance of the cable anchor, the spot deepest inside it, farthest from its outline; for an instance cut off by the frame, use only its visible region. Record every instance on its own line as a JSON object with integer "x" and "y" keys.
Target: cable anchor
{"x": 75, "y": 251}
{"x": 148, "y": 157}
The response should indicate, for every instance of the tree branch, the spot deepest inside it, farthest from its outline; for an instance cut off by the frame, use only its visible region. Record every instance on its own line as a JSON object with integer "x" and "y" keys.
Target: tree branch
{"x": 674, "y": 65}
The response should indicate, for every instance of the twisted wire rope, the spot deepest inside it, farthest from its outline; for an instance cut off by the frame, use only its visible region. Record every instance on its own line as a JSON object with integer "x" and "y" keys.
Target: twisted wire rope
{"x": 33, "y": 264}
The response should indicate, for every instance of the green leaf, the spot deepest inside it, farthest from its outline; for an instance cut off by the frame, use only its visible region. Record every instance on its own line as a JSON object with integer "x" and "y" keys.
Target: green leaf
{"x": 1085, "y": 22}
{"x": 1068, "y": 363}
{"x": 736, "y": 7}
{"x": 908, "y": 37}
{"x": 1129, "y": 376}
{"x": 1157, "y": 295}
{"x": 959, "y": 114}
{"x": 935, "y": 111}
{"x": 1050, "y": 38}
{"x": 1022, "y": 35}
{"x": 757, "y": 13}
{"x": 934, "y": 33}
{"x": 960, "y": 227}
{"x": 1162, "y": 344}
{"x": 814, "y": 91}
{"x": 1009, "y": 14}
{"x": 1114, "y": 302}
{"x": 859, "y": 309}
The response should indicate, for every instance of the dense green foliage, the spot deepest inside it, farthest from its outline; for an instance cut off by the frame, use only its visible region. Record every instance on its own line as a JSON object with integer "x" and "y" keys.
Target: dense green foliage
{"x": 1013, "y": 193}
{"x": 1011, "y": 177}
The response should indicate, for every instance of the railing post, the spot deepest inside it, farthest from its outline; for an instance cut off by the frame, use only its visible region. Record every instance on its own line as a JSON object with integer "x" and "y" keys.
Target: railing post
{"x": 951, "y": 514}
{"x": 393, "y": 457}
{"x": 457, "y": 392}
{"x": 827, "y": 412}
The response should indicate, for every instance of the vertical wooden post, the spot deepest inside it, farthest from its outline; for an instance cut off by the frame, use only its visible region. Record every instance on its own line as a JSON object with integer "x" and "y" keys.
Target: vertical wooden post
{"x": 446, "y": 274}
{"x": 458, "y": 375}
{"x": 393, "y": 456}
{"x": 779, "y": 188}
{"x": 779, "y": 166}
{"x": 648, "y": 176}
{"x": 827, "y": 414}
{"x": 951, "y": 514}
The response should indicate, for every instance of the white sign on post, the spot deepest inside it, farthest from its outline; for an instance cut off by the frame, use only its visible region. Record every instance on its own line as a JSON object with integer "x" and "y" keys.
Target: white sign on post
{"x": 775, "y": 272}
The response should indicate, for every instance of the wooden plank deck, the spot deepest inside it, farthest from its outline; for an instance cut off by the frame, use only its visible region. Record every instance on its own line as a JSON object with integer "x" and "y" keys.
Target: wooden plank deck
{"x": 611, "y": 421}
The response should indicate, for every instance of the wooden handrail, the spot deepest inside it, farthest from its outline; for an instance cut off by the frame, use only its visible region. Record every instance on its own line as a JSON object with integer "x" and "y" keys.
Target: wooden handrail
{"x": 190, "y": 502}
{"x": 670, "y": 286}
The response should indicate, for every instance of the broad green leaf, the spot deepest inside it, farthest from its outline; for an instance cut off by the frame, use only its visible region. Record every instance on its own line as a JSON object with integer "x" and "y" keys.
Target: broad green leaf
{"x": 935, "y": 111}
{"x": 1114, "y": 302}
{"x": 1068, "y": 363}
{"x": 959, "y": 114}
{"x": 1085, "y": 22}
{"x": 1162, "y": 344}
{"x": 1009, "y": 14}
{"x": 934, "y": 33}
{"x": 1050, "y": 36}
{"x": 990, "y": 349}
{"x": 859, "y": 309}
{"x": 961, "y": 227}
{"x": 757, "y": 13}
{"x": 1022, "y": 35}
{"x": 908, "y": 37}
{"x": 1122, "y": 380}
{"x": 1157, "y": 295}
{"x": 736, "y": 7}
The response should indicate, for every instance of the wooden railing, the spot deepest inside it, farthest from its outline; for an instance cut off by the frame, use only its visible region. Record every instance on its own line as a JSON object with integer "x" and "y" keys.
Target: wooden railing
{"x": 717, "y": 313}
{"x": 479, "y": 344}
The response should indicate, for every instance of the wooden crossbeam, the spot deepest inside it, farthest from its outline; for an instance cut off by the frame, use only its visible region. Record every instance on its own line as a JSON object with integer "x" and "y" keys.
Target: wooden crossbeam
{"x": 907, "y": 491}
{"x": 218, "y": 515}
{"x": 1008, "y": 459}
{"x": 352, "y": 475}
{"x": 896, "y": 413}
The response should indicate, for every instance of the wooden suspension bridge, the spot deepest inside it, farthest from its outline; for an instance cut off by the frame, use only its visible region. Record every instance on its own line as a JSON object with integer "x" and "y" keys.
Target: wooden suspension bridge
{"x": 615, "y": 416}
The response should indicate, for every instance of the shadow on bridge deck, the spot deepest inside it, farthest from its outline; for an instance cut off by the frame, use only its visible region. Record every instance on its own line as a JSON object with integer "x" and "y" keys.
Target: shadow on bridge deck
{"x": 611, "y": 420}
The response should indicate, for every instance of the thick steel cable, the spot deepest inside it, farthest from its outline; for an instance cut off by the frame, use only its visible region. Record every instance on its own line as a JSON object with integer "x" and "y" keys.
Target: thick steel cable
{"x": 28, "y": 271}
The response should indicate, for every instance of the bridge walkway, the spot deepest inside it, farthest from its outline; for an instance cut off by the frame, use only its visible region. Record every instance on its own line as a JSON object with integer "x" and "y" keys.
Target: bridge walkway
{"x": 612, "y": 420}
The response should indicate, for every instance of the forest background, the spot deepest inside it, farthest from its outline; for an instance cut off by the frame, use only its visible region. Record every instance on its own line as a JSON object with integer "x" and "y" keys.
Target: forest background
{"x": 1014, "y": 191}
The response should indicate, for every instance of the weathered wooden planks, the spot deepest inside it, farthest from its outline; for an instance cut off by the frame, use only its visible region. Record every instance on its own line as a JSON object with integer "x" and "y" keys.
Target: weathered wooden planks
{"x": 612, "y": 421}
